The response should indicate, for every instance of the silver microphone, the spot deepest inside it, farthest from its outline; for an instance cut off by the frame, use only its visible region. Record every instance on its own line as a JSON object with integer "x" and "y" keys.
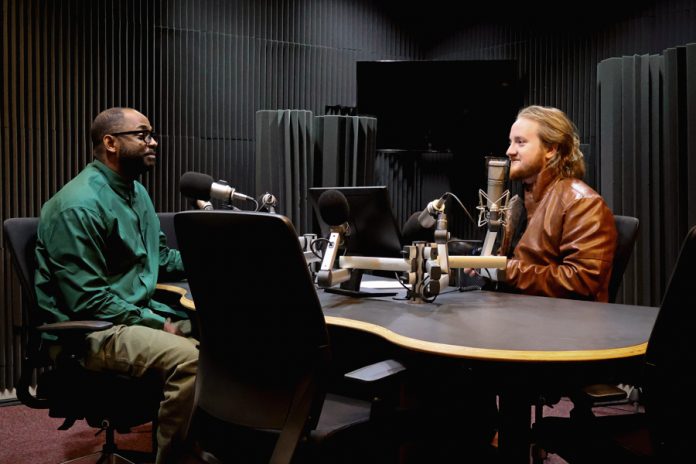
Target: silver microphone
{"x": 224, "y": 192}
{"x": 269, "y": 201}
{"x": 427, "y": 217}
{"x": 494, "y": 202}
{"x": 204, "y": 205}
{"x": 202, "y": 187}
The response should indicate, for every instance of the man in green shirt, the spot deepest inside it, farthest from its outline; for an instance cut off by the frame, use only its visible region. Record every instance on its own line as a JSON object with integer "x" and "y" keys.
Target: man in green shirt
{"x": 100, "y": 252}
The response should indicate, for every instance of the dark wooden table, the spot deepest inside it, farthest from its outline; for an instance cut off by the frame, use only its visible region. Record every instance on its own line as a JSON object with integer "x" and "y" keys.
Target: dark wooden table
{"x": 521, "y": 345}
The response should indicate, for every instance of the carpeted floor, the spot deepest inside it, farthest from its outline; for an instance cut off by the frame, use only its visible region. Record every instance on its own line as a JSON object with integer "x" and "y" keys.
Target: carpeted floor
{"x": 29, "y": 436}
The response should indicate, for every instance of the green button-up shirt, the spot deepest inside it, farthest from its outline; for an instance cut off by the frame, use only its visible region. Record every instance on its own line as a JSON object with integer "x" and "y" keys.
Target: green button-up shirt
{"x": 100, "y": 251}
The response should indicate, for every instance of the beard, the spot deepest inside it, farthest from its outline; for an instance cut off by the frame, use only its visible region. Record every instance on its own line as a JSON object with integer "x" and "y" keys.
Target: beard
{"x": 524, "y": 170}
{"x": 135, "y": 162}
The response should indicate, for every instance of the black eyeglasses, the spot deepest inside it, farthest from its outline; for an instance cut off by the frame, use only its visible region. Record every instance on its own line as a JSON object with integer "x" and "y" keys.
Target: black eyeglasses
{"x": 144, "y": 135}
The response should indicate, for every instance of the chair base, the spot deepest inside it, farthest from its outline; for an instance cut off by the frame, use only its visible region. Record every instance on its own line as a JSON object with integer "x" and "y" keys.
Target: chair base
{"x": 109, "y": 453}
{"x": 100, "y": 458}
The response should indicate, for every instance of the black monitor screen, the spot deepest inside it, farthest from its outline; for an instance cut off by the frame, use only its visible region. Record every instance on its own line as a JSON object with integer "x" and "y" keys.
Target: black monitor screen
{"x": 373, "y": 228}
{"x": 465, "y": 107}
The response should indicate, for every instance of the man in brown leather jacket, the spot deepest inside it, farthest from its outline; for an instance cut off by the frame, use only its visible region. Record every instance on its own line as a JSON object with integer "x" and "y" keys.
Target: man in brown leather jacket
{"x": 568, "y": 246}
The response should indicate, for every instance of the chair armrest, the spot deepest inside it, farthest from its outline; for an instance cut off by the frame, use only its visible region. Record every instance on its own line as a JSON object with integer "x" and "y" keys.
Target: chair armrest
{"x": 74, "y": 327}
{"x": 376, "y": 371}
{"x": 378, "y": 382}
{"x": 72, "y": 334}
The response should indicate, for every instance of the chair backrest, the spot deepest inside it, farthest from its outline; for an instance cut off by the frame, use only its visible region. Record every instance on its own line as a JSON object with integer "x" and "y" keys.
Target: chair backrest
{"x": 670, "y": 376}
{"x": 626, "y": 234}
{"x": 20, "y": 234}
{"x": 262, "y": 331}
{"x": 167, "y": 226}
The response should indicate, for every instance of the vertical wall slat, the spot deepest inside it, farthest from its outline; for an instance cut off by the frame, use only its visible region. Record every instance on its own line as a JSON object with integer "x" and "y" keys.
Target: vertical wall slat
{"x": 198, "y": 69}
{"x": 201, "y": 69}
{"x": 648, "y": 131}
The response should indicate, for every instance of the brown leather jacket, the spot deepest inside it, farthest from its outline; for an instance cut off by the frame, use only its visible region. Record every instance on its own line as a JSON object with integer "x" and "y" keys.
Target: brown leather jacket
{"x": 568, "y": 246}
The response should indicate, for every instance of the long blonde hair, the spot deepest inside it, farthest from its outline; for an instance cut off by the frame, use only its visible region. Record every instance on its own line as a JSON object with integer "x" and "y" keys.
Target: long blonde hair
{"x": 555, "y": 129}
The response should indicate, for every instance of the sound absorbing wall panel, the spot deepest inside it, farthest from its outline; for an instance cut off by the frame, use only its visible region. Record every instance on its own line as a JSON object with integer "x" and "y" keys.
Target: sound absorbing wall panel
{"x": 415, "y": 178}
{"x": 199, "y": 69}
{"x": 296, "y": 151}
{"x": 346, "y": 147}
{"x": 285, "y": 162}
{"x": 647, "y": 153}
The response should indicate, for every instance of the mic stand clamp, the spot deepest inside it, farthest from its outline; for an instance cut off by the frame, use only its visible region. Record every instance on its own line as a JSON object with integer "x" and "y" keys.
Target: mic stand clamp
{"x": 425, "y": 279}
{"x": 306, "y": 242}
{"x": 327, "y": 275}
{"x": 441, "y": 234}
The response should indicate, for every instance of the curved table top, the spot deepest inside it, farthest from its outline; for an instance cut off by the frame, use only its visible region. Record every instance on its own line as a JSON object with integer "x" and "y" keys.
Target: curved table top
{"x": 493, "y": 326}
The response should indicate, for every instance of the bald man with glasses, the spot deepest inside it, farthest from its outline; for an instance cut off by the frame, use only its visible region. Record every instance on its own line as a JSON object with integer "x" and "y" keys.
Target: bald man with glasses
{"x": 100, "y": 253}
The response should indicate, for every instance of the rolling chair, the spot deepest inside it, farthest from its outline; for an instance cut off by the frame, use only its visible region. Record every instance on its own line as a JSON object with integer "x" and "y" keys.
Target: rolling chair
{"x": 626, "y": 235}
{"x": 106, "y": 401}
{"x": 163, "y": 296}
{"x": 605, "y": 394}
{"x": 264, "y": 349}
{"x": 167, "y": 226}
{"x": 660, "y": 434}
{"x": 669, "y": 360}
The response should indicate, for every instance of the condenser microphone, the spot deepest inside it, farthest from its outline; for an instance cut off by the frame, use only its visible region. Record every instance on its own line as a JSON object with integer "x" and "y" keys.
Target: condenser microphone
{"x": 270, "y": 202}
{"x": 427, "y": 217}
{"x": 202, "y": 187}
{"x": 494, "y": 202}
{"x": 497, "y": 177}
{"x": 413, "y": 230}
{"x": 204, "y": 205}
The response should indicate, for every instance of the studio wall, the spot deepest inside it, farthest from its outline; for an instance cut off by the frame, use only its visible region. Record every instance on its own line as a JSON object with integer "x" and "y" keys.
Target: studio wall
{"x": 558, "y": 57}
{"x": 199, "y": 69}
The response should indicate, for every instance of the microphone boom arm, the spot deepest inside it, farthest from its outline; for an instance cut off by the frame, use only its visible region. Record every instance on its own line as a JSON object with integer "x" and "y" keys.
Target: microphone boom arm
{"x": 425, "y": 266}
{"x": 327, "y": 275}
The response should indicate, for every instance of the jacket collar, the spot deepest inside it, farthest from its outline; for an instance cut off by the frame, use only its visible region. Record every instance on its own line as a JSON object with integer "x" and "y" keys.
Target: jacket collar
{"x": 534, "y": 193}
{"x": 546, "y": 177}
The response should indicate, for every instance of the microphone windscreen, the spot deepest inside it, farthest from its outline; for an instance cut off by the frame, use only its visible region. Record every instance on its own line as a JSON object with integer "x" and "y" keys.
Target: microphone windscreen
{"x": 413, "y": 230}
{"x": 196, "y": 185}
{"x": 333, "y": 207}
{"x": 460, "y": 248}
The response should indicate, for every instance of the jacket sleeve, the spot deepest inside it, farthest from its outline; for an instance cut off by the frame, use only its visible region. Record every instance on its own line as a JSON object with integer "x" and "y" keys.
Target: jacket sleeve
{"x": 76, "y": 255}
{"x": 586, "y": 250}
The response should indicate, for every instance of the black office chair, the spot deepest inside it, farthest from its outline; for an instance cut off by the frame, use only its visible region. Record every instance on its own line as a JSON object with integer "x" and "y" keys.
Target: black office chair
{"x": 659, "y": 435}
{"x": 167, "y": 226}
{"x": 626, "y": 235}
{"x": 604, "y": 394}
{"x": 106, "y": 401}
{"x": 264, "y": 348}
{"x": 669, "y": 375}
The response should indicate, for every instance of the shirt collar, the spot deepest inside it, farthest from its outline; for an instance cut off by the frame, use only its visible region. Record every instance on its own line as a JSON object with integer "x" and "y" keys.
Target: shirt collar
{"x": 124, "y": 188}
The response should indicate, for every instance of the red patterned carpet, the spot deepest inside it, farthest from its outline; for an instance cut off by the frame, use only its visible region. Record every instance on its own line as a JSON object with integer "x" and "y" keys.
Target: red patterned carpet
{"x": 29, "y": 436}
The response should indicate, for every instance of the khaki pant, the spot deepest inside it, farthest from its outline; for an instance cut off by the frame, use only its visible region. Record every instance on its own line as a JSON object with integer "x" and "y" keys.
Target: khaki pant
{"x": 137, "y": 350}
